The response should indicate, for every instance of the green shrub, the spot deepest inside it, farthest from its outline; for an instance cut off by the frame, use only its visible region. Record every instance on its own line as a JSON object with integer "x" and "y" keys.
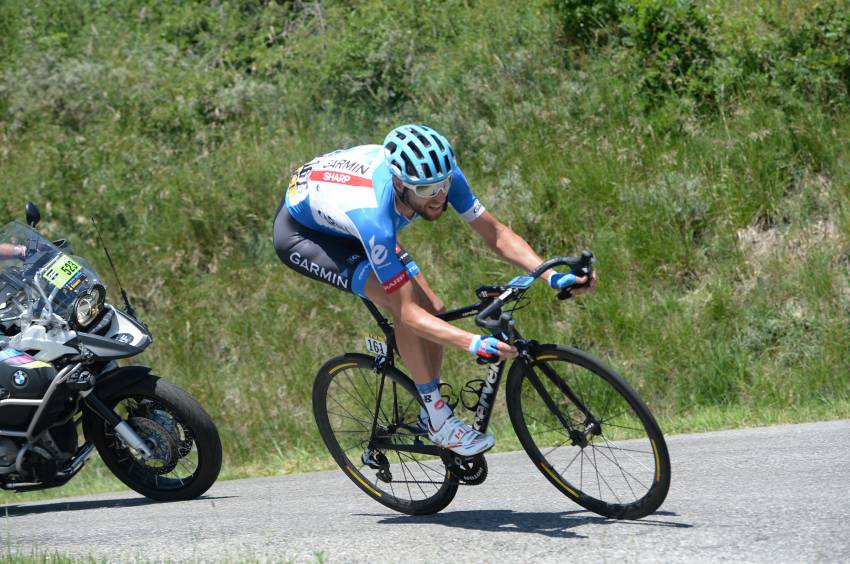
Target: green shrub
{"x": 587, "y": 22}
{"x": 672, "y": 43}
{"x": 812, "y": 60}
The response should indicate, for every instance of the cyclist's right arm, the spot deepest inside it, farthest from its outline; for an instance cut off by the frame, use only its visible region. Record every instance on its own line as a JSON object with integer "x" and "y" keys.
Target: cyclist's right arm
{"x": 405, "y": 301}
{"x": 405, "y": 307}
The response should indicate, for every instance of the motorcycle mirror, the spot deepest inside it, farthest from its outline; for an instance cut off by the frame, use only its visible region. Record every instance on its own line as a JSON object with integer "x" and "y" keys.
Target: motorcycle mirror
{"x": 33, "y": 215}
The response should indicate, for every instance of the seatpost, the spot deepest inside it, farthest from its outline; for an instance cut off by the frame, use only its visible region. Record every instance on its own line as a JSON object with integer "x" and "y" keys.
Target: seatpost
{"x": 384, "y": 324}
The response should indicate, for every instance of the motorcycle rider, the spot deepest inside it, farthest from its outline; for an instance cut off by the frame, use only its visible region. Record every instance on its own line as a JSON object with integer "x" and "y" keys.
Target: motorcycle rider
{"x": 338, "y": 222}
{"x": 12, "y": 251}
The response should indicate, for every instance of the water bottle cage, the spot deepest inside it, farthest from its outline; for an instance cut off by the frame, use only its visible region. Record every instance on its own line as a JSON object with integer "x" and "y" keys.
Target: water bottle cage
{"x": 472, "y": 388}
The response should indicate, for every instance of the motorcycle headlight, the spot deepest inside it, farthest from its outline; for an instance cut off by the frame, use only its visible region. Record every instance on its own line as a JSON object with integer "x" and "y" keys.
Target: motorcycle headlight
{"x": 89, "y": 305}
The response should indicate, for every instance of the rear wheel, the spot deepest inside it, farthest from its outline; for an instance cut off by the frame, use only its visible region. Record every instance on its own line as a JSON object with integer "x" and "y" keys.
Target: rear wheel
{"x": 345, "y": 399}
{"x": 589, "y": 433}
{"x": 186, "y": 449}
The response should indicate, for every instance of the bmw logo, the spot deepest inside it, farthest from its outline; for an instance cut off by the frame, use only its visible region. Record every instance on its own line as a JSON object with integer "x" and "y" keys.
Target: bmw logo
{"x": 20, "y": 378}
{"x": 124, "y": 338}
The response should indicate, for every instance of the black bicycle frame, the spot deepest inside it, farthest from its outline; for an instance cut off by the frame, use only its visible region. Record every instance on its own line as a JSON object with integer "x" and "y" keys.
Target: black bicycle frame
{"x": 486, "y": 399}
{"x": 489, "y": 310}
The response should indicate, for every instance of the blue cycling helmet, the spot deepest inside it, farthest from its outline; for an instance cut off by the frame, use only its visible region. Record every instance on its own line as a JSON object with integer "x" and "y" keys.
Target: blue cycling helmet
{"x": 417, "y": 154}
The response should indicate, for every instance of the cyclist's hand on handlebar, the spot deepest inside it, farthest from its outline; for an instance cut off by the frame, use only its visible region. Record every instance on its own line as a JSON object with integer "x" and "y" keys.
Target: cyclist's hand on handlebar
{"x": 491, "y": 349}
{"x": 582, "y": 286}
{"x": 577, "y": 284}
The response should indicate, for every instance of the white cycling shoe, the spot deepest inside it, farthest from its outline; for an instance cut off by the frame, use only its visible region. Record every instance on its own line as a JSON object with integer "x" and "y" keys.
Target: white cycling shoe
{"x": 461, "y": 438}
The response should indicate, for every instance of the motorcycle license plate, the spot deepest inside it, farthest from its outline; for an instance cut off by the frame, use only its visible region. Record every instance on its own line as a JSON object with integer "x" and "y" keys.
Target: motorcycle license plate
{"x": 375, "y": 345}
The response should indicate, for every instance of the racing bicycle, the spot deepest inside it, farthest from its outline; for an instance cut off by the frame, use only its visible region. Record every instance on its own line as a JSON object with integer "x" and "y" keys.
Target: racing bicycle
{"x": 581, "y": 424}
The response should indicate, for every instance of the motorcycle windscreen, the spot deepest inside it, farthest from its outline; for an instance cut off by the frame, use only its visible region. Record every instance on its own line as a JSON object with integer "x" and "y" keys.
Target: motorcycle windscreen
{"x": 63, "y": 277}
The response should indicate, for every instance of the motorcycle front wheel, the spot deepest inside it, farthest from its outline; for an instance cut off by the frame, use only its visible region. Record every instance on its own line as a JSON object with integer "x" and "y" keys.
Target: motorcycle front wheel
{"x": 185, "y": 447}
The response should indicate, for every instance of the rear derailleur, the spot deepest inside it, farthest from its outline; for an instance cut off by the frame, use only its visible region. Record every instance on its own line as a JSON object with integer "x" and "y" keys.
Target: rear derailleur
{"x": 377, "y": 460}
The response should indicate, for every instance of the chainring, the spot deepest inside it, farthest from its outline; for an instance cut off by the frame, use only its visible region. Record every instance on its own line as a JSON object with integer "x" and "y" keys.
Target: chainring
{"x": 471, "y": 471}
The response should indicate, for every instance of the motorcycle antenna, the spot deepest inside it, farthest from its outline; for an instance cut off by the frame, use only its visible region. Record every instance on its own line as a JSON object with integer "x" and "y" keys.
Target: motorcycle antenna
{"x": 128, "y": 308}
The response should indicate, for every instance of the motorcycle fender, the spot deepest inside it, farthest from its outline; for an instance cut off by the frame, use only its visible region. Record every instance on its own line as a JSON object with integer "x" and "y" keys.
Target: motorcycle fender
{"x": 113, "y": 380}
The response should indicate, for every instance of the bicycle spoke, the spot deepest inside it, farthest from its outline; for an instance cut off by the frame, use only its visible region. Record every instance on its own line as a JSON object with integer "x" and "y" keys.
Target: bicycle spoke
{"x": 601, "y": 476}
{"x": 623, "y": 473}
{"x": 359, "y": 397}
{"x": 630, "y": 457}
{"x": 366, "y": 424}
{"x": 419, "y": 483}
{"x": 612, "y": 446}
{"x": 556, "y": 447}
{"x": 407, "y": 480}
{"x": 351, "y": 415}
{"x": 570, "y": 463}
{"x": 624, "y": 427}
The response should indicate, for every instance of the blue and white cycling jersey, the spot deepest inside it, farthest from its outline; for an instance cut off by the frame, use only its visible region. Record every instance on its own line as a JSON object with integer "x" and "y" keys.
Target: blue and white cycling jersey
{"x": 349, "y": 193}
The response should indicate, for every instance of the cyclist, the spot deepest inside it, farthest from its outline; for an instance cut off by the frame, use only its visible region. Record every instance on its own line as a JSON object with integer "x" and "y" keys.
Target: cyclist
{"x": 338, "y": 223}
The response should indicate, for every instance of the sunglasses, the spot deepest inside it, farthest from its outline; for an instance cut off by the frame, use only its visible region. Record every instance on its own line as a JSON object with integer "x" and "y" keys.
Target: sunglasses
{"x": 429, "y": 190}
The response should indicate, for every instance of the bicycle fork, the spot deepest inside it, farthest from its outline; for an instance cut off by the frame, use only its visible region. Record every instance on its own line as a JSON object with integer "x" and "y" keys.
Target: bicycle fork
{"x": 593, "y": 425}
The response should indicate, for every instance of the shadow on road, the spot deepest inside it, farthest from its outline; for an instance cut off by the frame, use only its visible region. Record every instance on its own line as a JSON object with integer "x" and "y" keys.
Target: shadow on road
{"x": 10, "y": 510}
{"x": 556, "y": 525}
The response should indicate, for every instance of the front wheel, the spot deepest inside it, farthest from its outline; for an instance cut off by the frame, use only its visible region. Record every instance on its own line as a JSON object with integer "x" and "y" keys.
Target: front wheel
{"x": 184, "y": 441}
{"x": 588, "y": 432}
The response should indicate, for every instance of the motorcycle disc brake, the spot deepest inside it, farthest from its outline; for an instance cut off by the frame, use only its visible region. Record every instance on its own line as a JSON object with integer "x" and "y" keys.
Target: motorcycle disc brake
{"x": 164, "y": 452}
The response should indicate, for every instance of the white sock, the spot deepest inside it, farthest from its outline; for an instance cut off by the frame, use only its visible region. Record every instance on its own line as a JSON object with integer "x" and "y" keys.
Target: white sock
{"x": 438, "y": 410}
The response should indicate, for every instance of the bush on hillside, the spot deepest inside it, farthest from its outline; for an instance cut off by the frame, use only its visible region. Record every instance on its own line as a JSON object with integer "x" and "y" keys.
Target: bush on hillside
{"x": 587, "y": 23}
{"x": 808, "y": 60}
{"x": 672, "y": 43}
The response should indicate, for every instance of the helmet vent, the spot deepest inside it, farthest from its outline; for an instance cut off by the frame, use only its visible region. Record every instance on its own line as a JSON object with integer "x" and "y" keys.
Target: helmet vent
{"x": 409, "y": 168}
{"x": 422, "y": 138}
{"x": 436, "y": 161}
{"x": 415, "y": 150}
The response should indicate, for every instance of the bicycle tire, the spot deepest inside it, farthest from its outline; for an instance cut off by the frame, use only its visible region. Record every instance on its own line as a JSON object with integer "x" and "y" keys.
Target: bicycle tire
{"x": 615, "y": 463}
{"x": 433, "y": 486}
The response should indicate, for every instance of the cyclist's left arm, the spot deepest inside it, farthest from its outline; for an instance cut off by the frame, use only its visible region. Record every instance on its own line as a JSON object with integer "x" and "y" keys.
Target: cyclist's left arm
{"x": 513, "y": 248}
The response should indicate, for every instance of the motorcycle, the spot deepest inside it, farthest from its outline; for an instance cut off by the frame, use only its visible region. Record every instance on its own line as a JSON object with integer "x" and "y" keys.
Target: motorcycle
{"x": 60, "y": 341}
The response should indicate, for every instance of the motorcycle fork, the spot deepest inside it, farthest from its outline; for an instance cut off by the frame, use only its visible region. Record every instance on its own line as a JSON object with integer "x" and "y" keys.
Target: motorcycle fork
{"x": 122, "y": 428}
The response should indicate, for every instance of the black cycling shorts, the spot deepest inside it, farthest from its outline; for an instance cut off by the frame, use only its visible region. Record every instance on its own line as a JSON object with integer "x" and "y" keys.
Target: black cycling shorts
{"x": 338, "y": 261}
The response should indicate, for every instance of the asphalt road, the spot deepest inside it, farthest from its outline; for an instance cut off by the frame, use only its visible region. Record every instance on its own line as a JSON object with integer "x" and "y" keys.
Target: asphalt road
{"x": 776, "y": 494}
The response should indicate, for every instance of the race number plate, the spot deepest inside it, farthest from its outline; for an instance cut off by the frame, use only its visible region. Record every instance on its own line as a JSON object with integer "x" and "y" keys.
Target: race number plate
{"x": 375, "y": 345}
{"x": 61, "y": 271}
